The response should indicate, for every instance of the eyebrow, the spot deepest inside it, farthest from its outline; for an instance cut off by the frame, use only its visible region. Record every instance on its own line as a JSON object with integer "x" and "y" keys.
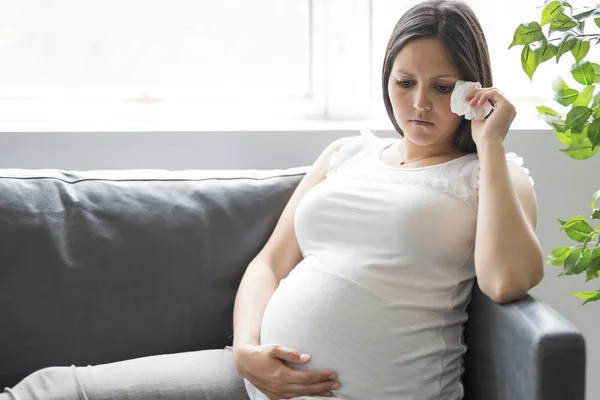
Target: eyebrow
{"x": 433, "y": 78}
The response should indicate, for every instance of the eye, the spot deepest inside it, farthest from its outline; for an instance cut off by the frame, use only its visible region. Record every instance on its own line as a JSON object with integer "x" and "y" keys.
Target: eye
{"x": 445, "y": 88}
{"x": 403, "y": 83}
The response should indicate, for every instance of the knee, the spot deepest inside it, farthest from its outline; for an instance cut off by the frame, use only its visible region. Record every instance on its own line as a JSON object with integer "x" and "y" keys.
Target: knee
{"x": 52, "y": 383}
{"x": 47, "y": 376}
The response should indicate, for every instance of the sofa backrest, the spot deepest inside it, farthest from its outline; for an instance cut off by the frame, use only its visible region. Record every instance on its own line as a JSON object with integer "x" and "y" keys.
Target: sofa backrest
{"x": 101, "y": 266}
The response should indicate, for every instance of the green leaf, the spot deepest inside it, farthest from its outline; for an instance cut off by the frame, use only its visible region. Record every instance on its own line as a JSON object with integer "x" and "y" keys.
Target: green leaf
{"x": 588, "y": 296}
{"x": 558, "y": 126}
{"x": 595, "y": 198}
{"x": 584, "y": 98}
{"x": 564, "y": 137}
{"x": 551, "y": 11}
{"x": 564, "y": 95}
{"x": 583, "y": 73}
{"x": 559, "y": 255}
{"x": 591, "y": 274}
{"x": 543, "y": 110}
{"x": 529, "y": 61}
{"x": 561, "y": 23}
{"x": 595, "y": 101}
{"x": 596, "y": 71}
{"x": 580, "y": 49}
{"x": 580, "y": 231}
{"x": 581, "y": 151}
{"x": 566, "y": 4}
{"x": 577, "y": 261}
{"x": 546, "y": 51}
{"x": 526, "y": 34}
{"x": 559, "y": 84}
{"x": 567, "y": 42}
{"x": 554, "y": 119}
{"x": 570, "y": 222}
{"x": 586, "y": 14}
{"x": 593, "y": 268}
{"x": 577, "y": 118}
{"x": 596, "y": 105}
{"x": 580, "y": 137}
{"x": 596, "y": 214}
{"x": 593, "y": 132}
{"x": 597, "y": 21}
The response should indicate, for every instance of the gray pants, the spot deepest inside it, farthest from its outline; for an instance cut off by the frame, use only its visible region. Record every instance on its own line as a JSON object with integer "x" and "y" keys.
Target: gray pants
{"x": 200, "y": 375}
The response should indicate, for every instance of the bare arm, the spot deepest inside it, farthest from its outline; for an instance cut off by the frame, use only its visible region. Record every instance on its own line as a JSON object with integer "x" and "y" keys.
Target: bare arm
{"x": 508, "y": 256}
{"x": 275, "y": 261}
{"x": 263, "y": 365}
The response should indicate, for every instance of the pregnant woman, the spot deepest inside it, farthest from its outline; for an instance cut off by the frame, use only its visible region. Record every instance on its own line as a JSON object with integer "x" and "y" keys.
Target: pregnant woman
{"x": 361, "y": 291}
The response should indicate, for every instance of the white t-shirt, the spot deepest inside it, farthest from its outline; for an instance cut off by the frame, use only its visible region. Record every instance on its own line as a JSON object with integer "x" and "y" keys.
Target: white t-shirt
{"x": 381, "y": 293}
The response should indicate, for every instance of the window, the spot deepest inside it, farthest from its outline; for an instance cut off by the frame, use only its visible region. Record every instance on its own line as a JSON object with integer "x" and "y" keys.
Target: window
{"x": 119, "y": 61}
{"x": 499, "y": 19}
{"x": 189, "y": 64}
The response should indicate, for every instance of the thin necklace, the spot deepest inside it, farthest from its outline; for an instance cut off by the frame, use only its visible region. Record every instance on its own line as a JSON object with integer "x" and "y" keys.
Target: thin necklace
{"x": 403, "y": 161}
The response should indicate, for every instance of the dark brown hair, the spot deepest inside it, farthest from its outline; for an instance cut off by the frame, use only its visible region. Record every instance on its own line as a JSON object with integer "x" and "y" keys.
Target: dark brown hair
{"x": 454, "y": 23}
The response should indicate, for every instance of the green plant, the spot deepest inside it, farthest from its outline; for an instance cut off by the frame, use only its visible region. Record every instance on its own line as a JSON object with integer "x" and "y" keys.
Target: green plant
{"x": 563, "y": 29}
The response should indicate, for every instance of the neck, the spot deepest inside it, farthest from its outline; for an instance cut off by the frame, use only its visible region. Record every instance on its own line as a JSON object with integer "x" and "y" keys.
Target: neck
{"x": 411, "y": 151}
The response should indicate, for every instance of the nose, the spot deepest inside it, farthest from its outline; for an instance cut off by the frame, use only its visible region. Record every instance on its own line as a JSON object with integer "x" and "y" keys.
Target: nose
{"x": 421, "y": 101}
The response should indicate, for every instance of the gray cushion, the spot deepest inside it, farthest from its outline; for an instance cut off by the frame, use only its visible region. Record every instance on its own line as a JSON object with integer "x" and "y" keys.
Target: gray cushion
{"x": 103, "y": 266}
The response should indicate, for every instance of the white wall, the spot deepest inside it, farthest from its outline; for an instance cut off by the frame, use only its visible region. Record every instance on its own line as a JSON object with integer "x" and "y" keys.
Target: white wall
{"x": 564, "y": 186}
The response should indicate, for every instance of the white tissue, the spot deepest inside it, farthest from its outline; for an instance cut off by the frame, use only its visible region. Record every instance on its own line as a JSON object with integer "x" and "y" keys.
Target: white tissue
{"x": 460, "y": 106}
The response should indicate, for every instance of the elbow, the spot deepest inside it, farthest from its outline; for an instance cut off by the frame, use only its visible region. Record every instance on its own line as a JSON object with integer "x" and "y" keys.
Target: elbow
{"x": 508, "y": 295}
{"x": 513, "y": 288}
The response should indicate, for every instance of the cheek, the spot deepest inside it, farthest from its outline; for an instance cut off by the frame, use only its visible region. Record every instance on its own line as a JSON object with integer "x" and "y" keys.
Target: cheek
{"x": 443, "y": 107}
{"x": 453, "y": 120}
{"x": 398, "y": 98}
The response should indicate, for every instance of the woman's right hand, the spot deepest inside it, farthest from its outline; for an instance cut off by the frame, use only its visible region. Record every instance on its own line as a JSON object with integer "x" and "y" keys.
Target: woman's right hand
{"x": 264, "y": 367}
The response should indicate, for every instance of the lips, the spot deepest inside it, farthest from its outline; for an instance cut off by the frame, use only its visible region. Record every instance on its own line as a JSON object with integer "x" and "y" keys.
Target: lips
{"x": 421, "y": 122}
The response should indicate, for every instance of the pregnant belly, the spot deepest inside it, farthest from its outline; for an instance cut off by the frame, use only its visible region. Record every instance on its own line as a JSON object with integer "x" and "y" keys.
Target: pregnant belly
{"x": 377, "y": 350}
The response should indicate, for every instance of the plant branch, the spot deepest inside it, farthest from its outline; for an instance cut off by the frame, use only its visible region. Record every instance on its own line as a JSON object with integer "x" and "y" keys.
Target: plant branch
{"x": 579, "y": 36}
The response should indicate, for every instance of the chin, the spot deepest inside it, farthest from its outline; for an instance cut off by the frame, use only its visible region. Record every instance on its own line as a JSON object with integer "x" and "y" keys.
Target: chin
{"x": 425, "y": 136}
{"x": 422, "y": 138}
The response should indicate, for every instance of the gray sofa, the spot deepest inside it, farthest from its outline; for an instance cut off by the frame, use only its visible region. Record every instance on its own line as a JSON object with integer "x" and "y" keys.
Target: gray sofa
{"x": 100, "y": 266}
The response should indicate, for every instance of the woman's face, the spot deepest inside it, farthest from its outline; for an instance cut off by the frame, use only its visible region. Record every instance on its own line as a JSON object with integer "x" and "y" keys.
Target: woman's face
{"x": 420, "y": 85}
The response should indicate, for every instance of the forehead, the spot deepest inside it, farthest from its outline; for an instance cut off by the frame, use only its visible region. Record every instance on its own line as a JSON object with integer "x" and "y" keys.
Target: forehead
{"x": 424, "y": 57}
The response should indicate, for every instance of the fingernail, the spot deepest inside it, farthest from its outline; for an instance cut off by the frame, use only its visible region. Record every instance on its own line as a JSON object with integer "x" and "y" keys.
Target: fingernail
{"x": 304, "y": 357}
{"x": 335, "y": 386}
{"x": 332, "y": 376}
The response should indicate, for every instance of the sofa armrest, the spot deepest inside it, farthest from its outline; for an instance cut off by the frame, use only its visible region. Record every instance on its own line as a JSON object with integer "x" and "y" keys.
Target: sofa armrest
{"x": 521, "y": 350}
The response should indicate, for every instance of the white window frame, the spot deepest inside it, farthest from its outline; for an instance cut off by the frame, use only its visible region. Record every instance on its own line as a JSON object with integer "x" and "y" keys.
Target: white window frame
{"x": 340, "y": 94}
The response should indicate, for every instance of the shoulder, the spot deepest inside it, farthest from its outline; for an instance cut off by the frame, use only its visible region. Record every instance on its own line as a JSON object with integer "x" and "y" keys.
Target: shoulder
{"x": 349, "y": 147}
{"x": 516, "y": 166}
{"x": 520, "y": 177}
{"x": 514, "y": 162}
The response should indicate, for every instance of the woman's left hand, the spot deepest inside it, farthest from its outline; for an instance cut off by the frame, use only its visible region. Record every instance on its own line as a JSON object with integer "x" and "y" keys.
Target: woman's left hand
{"x": 496, "y": 125}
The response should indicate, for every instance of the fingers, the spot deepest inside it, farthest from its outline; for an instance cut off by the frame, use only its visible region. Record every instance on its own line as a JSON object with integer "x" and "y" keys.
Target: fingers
{"x": 310, "y": 377}
{"x": 289, "y": 355}
{"x": 482, "y": 95}
{"x": 315, "y": 389}
{"x": 312, "y": 389}
{"x": 287, "y": 382}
